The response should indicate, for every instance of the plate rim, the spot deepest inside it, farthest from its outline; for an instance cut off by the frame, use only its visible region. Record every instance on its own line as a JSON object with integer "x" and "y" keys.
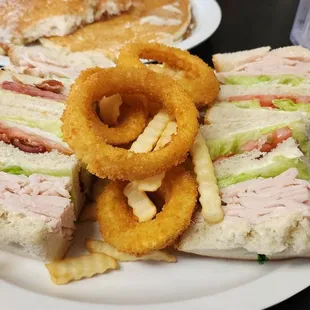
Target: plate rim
{"x": 266, "y": 296}
{"x": 297, "y": 270}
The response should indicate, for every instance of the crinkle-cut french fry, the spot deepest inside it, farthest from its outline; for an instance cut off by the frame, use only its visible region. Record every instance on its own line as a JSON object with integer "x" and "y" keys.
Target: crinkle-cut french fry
{"x": 153, "y": 183}
{"x": 97, "y": 246}
{"x": 76, "y": 268}
{"x": 143, "y": 208}
{"x": 147, "y": 140}
{"x": 210, "y": 199}
{"x": 109, "y": 109}
{"x": 167, "y": 134}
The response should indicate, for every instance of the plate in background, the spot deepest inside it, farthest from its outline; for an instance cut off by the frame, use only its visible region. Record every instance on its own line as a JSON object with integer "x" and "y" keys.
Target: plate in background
{"x": 208, "y": 16}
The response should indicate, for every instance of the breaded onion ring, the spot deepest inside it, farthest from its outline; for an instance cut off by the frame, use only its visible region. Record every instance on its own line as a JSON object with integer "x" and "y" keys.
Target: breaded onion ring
{"x": 121, "y": 229}
{"x": 199, "y": 81}
{"x": 132, "y": 120}
{"x": 105, "y": 160}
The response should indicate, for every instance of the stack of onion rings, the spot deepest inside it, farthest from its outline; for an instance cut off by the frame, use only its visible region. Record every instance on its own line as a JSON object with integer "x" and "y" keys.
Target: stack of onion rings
{"x": 83, "y": 130}
{"x": 120, "y": 228}
{"x": 199, "y": 82}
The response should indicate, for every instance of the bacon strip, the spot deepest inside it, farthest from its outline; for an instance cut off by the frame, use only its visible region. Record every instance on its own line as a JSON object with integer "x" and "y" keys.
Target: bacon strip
{"x": 28, "y": 142}
{"x": 31, "y": 91}
{"x": 51, "y": 85}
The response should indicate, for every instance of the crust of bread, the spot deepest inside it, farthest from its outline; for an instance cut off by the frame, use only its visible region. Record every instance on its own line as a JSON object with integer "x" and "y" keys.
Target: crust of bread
{"x": 280, "y": 236}
{"x": 112, "y": 34}
{"x": 24, "y": 21}
{"x": 227, "y": 91}
{"x": 228, "y": 61}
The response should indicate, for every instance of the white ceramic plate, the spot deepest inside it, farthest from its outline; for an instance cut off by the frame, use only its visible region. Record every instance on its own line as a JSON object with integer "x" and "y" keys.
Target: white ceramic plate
{"x": 192, "y": 283}
{"x": 208, "y": 17}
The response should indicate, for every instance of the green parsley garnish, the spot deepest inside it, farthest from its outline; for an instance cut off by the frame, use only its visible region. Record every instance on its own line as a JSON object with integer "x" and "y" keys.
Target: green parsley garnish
{"x": 262, "y": 259}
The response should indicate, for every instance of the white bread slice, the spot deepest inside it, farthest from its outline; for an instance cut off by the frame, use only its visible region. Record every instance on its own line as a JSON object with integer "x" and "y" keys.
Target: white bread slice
{"x": 238, "y": 120}
{"x": 228, "y": 91}
{"x": 240, "y": 117}
{"x": 228, "y": 61}
{"x": 292, "y": 52}
{"x": 28, "y": 236}
{"x": 282, "y": 236}
{"x": 47, "y": 107}
{"x": 45, "y": 62}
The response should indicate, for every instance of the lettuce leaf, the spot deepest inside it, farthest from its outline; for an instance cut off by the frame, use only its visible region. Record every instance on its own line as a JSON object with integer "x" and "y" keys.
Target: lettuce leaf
{"x": 248, "y": 104}
{"x": 222, "y": 147}
{"x": 289, "y": 105}
{"x": 285, "y": 79}
{"x": 280, "y": 165}
{"x": 247, "y": 80}
{"x": 21, "y": 170}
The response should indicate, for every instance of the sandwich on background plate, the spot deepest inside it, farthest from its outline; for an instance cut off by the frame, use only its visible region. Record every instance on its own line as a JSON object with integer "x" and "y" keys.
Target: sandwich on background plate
{"x": 162, "y": 21}
{"x": 24, "y": 21}
{"x": 43, "y": 185}
{"x": 257, "y": 134}
{"x": 46, "y": 63}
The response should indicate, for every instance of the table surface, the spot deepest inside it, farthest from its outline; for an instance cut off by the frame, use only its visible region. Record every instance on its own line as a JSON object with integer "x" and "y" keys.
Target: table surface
{"x": 248, "y": 24}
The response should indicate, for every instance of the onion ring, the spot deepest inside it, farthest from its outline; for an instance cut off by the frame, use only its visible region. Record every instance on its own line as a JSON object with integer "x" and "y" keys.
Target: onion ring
{"x": 199, "y": 81}
{"x": 105, "y": 160}
{"x": 132, "y": 121}
{"x": 120, "y": 228}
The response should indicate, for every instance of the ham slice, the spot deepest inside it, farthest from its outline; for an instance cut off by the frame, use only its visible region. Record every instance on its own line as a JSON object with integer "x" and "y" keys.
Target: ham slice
{"x": 260, "y": 197}
{"x": 29, "y": 142}
{"x": 31, "y": 91}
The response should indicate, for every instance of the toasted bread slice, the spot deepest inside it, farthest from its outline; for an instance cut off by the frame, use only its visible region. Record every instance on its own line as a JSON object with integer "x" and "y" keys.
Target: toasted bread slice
{"x": 164, "y": 21}
{"x": 24, "y": 21}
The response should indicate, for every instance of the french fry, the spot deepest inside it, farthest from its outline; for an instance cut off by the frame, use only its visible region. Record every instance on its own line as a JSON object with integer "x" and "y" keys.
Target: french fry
{"x": 143, "y": 208}
{"x": 109, "y": 109}
{"x": 210, "y": 199}
{"x": 167, "y": 134}
{"x": 76, "y": 268}
{"x": 153, "y": 183}
{"x": 97, "y": 246}
{"x": 147, "y": 140}
{"x": 89, "y": 213}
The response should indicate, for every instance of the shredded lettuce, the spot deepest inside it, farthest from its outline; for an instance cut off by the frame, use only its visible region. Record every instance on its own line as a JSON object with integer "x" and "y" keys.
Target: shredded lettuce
{"x": 279, "y": 165}
{"x": 289, "y": 105}
{"x": 21, "y": 170}
{"x": 232, "y": 145}
{"x": 285, "y": 79}
{"x": 248, "y": 104}
{"x": 52, "y": 126}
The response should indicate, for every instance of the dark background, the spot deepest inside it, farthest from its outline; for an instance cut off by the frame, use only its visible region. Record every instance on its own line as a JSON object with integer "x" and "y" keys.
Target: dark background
{"x": 248, "y": 24}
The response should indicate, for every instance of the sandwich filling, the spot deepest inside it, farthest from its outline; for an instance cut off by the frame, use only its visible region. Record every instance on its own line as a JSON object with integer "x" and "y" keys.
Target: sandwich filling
{"x": 253, "y": 199}
{"x": 30, "y": 140}
{"x": 34, "y": 91}
{"x": 39, "y": 196}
